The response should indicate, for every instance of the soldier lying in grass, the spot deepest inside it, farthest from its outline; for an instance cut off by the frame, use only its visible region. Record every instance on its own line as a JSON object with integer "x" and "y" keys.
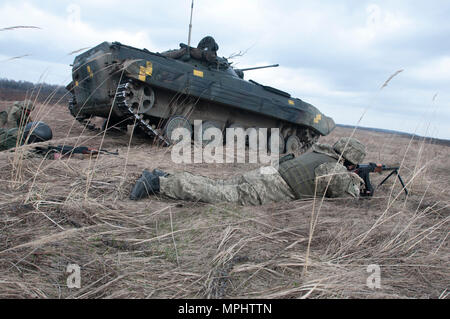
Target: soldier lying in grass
{"x": 17, "y": 127}
{"x": 320, "y": 172}
{"x": 33, "y": 132}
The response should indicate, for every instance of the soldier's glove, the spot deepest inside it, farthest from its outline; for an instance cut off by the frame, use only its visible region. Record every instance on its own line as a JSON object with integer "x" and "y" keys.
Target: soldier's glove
{"x": 147, "y": 184}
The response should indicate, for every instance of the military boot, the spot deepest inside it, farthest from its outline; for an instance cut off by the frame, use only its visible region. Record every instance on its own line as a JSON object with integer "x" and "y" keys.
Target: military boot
{"x": 147, "y": 184}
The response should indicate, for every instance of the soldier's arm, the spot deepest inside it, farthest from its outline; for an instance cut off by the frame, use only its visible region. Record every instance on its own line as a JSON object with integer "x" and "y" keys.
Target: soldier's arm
{"x": 334, "y": 180}
{"x": 13, "y": 117}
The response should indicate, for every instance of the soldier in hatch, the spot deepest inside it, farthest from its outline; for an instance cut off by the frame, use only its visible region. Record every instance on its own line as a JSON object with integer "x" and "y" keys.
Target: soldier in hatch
{"x": 206, "y": 50}
{"x": 320, "y": 172}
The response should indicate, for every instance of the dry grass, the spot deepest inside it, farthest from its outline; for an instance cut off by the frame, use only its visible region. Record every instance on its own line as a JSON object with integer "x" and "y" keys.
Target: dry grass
{"x": 77, "y": 211}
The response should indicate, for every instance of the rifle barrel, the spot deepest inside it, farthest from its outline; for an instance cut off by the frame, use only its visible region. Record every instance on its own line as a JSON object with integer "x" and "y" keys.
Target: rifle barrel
{"x": 390, "y": 168}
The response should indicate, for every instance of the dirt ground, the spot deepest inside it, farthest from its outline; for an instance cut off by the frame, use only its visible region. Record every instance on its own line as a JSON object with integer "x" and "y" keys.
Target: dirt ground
{"x": 76, "y": 211}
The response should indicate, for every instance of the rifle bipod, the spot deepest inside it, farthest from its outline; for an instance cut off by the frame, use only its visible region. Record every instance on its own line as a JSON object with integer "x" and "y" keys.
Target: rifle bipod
{"x": 395, "y": 171}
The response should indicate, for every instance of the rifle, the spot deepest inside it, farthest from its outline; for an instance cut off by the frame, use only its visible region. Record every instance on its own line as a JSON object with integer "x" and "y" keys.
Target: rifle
{"x": 363, "y": 170}
{"x": 65, "y": 150}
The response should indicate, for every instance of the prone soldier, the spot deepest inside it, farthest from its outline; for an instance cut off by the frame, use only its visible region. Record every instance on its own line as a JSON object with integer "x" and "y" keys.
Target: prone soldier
{"x": 33, "y": 132}
{"x": 324, "y": 171}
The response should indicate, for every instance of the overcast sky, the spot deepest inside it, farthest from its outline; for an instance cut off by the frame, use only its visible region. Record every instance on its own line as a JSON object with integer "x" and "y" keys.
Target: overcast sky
{"x": 333, "y": 54}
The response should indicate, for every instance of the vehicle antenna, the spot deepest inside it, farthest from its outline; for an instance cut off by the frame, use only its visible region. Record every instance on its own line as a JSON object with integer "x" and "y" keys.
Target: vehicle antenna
{"x": 190, "y": 26}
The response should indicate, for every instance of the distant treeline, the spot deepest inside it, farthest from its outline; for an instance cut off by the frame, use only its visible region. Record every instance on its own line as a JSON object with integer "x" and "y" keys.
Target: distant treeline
{"x": 430, "y": 140}
{"x": 11, "y": 90}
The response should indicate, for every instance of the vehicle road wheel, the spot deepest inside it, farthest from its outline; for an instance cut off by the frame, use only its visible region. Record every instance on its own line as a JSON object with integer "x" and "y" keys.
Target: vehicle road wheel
{"x": 172, "y": 124}
{"x": 293, "y": 145}
{"x": 140, "y": 97}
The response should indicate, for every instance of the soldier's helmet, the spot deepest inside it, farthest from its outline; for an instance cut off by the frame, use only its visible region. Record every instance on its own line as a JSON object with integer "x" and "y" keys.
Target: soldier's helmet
{"x": 208, "y": 43}
{"x": 37, "y": 132}
{"x": 351, "y": 149}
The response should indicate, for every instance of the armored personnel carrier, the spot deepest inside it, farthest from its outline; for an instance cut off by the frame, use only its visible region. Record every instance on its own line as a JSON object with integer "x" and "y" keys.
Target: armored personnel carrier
{"x": 159, "y": 92}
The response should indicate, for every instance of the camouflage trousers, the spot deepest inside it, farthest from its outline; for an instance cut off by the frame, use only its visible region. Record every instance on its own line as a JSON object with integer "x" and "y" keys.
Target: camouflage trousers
{"x": 251, "y": 188}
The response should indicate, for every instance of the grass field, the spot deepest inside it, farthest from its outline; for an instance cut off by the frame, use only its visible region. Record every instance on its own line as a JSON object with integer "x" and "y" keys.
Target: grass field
{"x": 76, "y": 211}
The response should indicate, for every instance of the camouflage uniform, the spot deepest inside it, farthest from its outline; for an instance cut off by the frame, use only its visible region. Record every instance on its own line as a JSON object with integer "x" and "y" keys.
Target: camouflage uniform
{"x": 319, "y": 172}
{"x": 251, "y": 188}
{"x": 312, "y": 174}
{"x": 8, "y": 138}
{"x": 18, "y": 114}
